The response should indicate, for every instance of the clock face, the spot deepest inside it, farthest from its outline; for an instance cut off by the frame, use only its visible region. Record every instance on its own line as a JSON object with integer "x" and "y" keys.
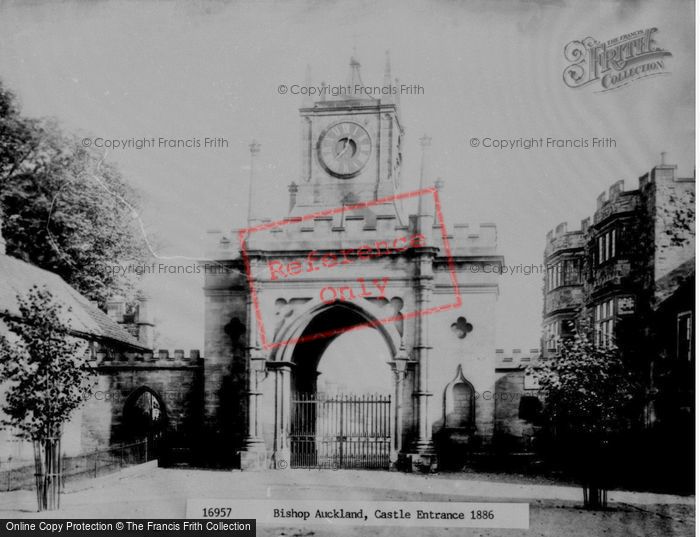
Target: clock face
{"x": 344, "y": 149}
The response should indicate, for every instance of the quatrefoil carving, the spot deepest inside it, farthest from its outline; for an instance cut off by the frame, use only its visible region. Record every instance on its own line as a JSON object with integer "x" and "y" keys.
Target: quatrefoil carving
{"x": 461, "y": 327}
{"x": 283, "y": 308}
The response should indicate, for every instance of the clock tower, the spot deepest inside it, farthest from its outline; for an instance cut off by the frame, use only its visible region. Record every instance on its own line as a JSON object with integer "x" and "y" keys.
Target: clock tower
{"x": 350, "y": 146}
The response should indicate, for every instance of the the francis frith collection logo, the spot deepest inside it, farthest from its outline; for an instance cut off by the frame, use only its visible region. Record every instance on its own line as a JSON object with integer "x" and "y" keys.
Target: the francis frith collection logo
{"x": 616, "y": 62}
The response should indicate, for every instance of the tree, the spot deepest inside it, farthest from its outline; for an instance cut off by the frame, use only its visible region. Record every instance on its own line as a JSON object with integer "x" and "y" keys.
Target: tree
{"x": 679, "y": 218}
{"x": 65, "y": 209}
{"x": 48, "y": 374}
{"x": 17, "y": 135}
{"x": 587, "y": 389}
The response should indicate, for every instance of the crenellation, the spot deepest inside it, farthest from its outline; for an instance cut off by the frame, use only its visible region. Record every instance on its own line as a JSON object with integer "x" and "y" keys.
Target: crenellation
{"x": 561, "y": 238}
{"x": 600, "y": 200}
{"x": 467, "y": 239}
{"x": 323, "y": 224}
{"x": 363, "y": 227}
{"x": 615, "y": 189}
{"x": 562, "y": 231}
{"x": 148, "y": 359}
{"x": 386, "y": 224}
{"x": 489, "y": 233}
{"x": 517, "y": 359}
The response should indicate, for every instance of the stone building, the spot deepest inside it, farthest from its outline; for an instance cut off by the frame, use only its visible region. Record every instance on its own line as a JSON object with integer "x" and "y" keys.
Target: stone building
{"x": 137, "y": 394}
{"x": 355, "y": 253}
{"x": 630, "y": 271}
{"x": 347, "y": 257}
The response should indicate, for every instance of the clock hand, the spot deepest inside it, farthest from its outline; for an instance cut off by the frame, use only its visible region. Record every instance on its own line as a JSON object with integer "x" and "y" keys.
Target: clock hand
{"x": 345, "y": 148}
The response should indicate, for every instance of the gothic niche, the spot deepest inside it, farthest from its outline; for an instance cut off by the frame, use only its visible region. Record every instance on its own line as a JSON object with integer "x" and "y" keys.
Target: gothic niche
{"x": 234, "y": 329}
{"x": 459, "y": 403}
{"x": 461, "y": 327}
{"x": 397, "y": 306}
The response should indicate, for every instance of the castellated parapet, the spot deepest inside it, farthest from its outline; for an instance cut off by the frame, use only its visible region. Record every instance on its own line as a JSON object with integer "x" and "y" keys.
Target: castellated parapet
{"x": 516, "y": 359}
{"x": 159, "y": 359}
{"x": 561, "y": 239}
{"x": 616, "y": 201}
{"x": 351, "y": 230}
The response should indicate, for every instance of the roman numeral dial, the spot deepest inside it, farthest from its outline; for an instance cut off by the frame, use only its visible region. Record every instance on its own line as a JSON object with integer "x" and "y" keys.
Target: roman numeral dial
{"x": 344, "y": 149}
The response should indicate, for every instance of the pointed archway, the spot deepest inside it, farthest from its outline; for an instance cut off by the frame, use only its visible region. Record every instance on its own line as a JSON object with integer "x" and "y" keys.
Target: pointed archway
{"x": 339, "y": 430}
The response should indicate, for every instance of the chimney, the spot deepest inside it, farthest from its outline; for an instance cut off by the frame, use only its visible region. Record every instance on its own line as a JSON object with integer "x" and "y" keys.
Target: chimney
{"x": 116, "y": 308}
{"x": 144, "y": 321}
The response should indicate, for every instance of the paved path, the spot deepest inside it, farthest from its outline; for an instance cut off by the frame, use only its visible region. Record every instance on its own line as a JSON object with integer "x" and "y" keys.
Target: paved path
{"x": 150, "y": 492}
{"x": 150, "y": 483}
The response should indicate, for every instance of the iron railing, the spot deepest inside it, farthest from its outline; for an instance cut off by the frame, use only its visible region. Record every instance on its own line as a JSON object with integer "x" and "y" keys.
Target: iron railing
{"x": 343, "y": 431}
{"x": 14, "y": 476}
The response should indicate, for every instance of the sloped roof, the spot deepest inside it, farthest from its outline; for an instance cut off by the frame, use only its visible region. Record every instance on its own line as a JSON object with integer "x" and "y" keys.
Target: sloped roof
{"x": 17, "y": 277}
{"x": 667, "y": 285}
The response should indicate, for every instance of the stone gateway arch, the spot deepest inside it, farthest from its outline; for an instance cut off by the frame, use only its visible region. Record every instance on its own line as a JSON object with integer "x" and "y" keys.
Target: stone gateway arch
{"x": 347, "y": 257}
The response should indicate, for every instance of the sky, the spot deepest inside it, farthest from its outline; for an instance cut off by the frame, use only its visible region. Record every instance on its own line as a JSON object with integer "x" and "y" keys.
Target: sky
{"x": 184, "y": 70}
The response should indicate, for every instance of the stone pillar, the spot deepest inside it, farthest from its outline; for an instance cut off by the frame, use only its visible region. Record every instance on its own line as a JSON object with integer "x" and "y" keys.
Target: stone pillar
{"x": 398, "y": 367}
{"x": 281, "y": 455}
{"x": 254, "y": 453}
{"x": 422, "y": 456}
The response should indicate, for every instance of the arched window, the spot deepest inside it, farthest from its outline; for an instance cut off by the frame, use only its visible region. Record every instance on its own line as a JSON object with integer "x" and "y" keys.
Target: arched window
{"x": 459, "y": 405}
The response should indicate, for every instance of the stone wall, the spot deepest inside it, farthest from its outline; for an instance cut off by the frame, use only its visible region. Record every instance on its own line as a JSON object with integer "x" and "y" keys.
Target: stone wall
{"x": 513, "y": 431}
{"x": 224, "y": 385}
{"x": 174, "y": 379}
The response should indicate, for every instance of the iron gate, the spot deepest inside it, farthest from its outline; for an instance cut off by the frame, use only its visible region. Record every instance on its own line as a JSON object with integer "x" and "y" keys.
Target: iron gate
{"x": 344, "y": 431}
